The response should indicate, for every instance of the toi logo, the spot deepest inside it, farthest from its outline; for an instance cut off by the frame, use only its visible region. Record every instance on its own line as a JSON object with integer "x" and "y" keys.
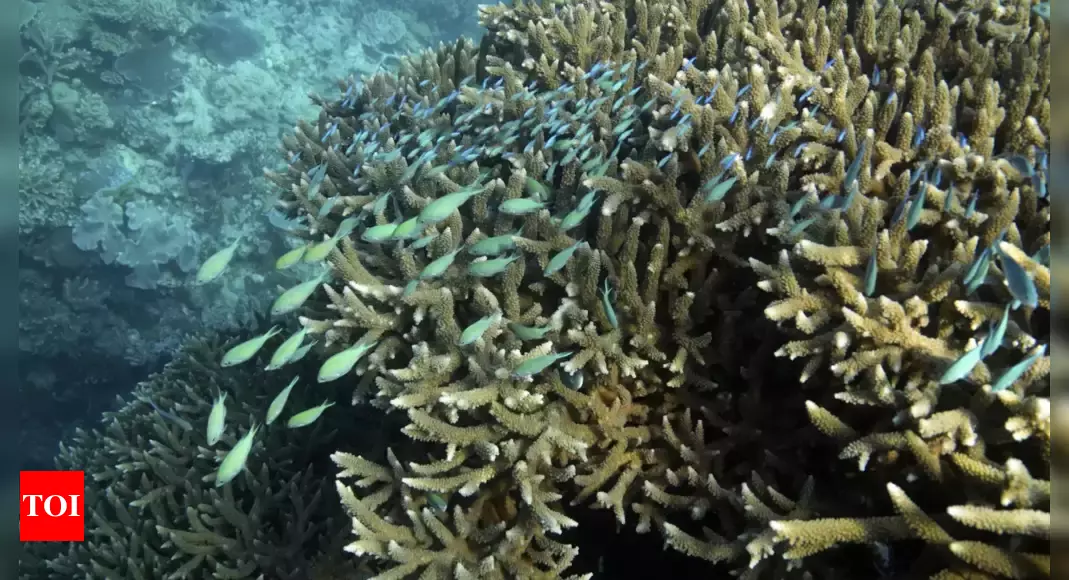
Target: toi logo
{"x": 51, "y": 506}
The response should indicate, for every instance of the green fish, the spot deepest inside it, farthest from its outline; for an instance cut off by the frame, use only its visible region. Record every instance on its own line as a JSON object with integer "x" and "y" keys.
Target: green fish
{"x": 296, "y": 296}
{"x": 275, "y": 409}
{"x": 606, "y": 304}
{"x": 248, "y": 349}
{"x": 408, "y": 229}
{"x": 560, "y": 259}
{"x": 215, "y": 265}
{"x": 301, "y": 352}
{"x": 492, "y": 267}
{"x": 538, "y": 364}
{"x": 341, "y": 363}
{"x": 439, "y": 266}
{"x": 494, "y": 246}
{"x": 574, "y": 218}
{"x": 520, "y": 206}
{"x": 476, "y": 329}
{"x": 1013, "y": 373}
{"x": 719, "y": 190}
{"x": 291, "y": 257}
{"x": 536, "y": 189}
{"x": 286, "y": 350}
{"x": 437, "y": 502}
{"x": 319, "y": 252}
{"x": 961, "y": 368}
{"x": 216, "y": 420}
{"x": 235, "y": 459}
{"x": 523, "y": 332}
{"x": 307, "y": 416}
{"x": 424, "y": 241}
{"x": 441, "y": 208}
{"x": 379, "y": 233}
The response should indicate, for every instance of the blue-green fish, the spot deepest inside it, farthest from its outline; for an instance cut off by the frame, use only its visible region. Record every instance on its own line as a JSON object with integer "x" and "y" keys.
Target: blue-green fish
{"x": 235, "y": 459}
{"x": 719, "y": 189}
{"x": 296, "y": 296}
{"x": 216, "y": 264}
{"x": 441, "y": 208}
{"x": 341, "y": 363}
{"x": 538, "y": 364}
{"x": 291, "y": 257}
{"x": 408, "y": 229}
{"x": 275, "y": 409}
{"x": 319, "y": 251}
{"x": 216, "y": 420}
{"x": 494, "y": 246}
{"x": 560, "y": 259}
{"x": 248, "y": 349}
{"x": 606, "y": 304}
{"x": 439, "y": 265}
{"x": 520, "y": 206}
{"x": 285, "y": 351}
{"x": 307, "y": 416}
{"x": 870, "y": 274}
{"x": 1021, "y": 285}
{"x": 961, "y": 368}
{"x": 995, "y": 333}
{"x": 475, "y": 330}
{"x": 524, "y": 332}
{"x": 1013, "y": 373}
{"x": 437, "y": 502}
{"x": 379, "y": 233}
{"x": 492, "y": 267}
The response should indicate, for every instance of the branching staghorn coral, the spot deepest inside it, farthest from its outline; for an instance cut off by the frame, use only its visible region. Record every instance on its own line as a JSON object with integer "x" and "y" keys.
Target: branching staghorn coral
{"x": 152, "y": 510}
{"x": 550, "y": 244}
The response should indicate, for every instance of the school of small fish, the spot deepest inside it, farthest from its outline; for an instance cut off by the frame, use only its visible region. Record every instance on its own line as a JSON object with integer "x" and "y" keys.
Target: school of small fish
{"x": 494, "y": 124}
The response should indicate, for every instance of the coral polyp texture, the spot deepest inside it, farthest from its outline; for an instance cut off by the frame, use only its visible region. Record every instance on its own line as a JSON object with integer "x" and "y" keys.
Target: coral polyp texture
{"x": 573, "y": 253}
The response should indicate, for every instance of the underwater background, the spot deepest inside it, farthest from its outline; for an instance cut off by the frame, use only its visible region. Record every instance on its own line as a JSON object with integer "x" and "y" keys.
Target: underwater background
{"x": 551, "y": 288}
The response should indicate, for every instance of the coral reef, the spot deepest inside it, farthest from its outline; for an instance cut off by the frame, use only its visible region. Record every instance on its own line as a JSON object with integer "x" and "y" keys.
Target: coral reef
{"x": 151, "y": 508}
{"x": 555, "y": 250}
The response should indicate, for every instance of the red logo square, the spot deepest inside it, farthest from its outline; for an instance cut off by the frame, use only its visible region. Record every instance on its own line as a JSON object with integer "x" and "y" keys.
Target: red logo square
{"x": 51, "y": 506}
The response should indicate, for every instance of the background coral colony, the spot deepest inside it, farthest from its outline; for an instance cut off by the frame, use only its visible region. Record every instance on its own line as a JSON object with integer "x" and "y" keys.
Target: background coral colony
{"x": 349, "y": 289}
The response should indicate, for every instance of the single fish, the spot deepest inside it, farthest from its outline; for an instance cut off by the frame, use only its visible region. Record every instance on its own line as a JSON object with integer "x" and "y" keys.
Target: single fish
{"x": 1020, "y": 284}
{"x": 285, "y": 351}
{"x": 341, "y": 363}
{"x": 538, "y": 364}
{"x": 492, "y": 267}
{"x": 961, "y": 368}
{"x": 295, "y": 297}
{"x": 561, "y": 258}
{"x": 291, "y": 257}
{"x": 216, "y": 420}
{"x": 439, "y": 265}
{"x": 520, "y": 206}
{"x": 995, "y": 333}
{"x": 275, "y": 409}
{"x": 409, "y": 229}
{"x": 301, "y": 352}
{"x": 494, "y": 246}
{"x": 607, "y": 293}
{"x": 523, "y": 332}
{"x": 248, "y": 349}
{"x": 871, "y": 270}
{"x": 215, "y": 265}
{"x": 307, "y": 416}
{"x": 1013, "y": 373}
{"x": 718, "y": 190}
{"x": 319, "y": 251}
{"x": 573, "y": 219}
{"x": 185, "y": 425}
{"x": 235, "y": 459}
{"x": 379, "y": 233}
{"x": 441, "y": 208}
{"x": 437, "y": 502}
{"x": 475, "y": 330}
